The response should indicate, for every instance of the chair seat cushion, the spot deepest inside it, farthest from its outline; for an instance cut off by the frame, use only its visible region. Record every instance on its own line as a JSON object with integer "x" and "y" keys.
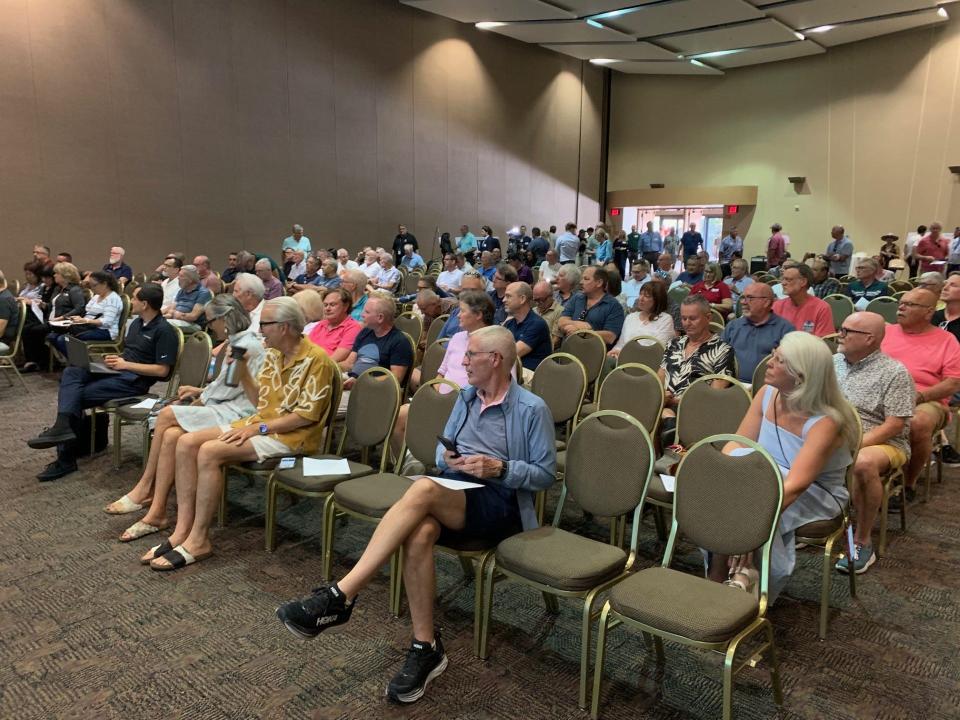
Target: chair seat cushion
{"x": 820, "y": 529}
{"x": 686, "y": 605}
{"x": 295, "y": 479}
{"x": 466, "y": 544}
{"x": 258, "y": 466}
{"x": 123, "y": 402}
{"x": 372, "y": 495}
{"x": 561, "y": 461}
{"x": 132, "y": 414}
{"x": 656, "y": 491}
{"x": 560, "y": 559}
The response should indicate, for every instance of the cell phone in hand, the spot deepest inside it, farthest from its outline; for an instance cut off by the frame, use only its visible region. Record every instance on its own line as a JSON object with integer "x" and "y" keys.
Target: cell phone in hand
{"x": 449, "y": 445}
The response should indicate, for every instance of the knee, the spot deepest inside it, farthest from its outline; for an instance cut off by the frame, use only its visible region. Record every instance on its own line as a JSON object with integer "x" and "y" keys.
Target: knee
{"x": 166, "y": 416}
{"x": 421, "y": 493}
{"x": 189, "y": 444}
{"x": 209, "y": 453}
{"x": 172, "y": 434}
{"x": 423, "y": 537}
{"x": 865, "y": 467}
{"x": 921, "y": 427}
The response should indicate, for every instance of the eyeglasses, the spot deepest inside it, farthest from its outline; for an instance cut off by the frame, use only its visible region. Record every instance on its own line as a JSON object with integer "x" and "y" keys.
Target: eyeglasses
{"x": 471, "y": 354}
{"x": 264, "y": 323}
{"x": 753, "y": 297}
{"x": 844, "y": 331}
{"x": 903, "y": 303}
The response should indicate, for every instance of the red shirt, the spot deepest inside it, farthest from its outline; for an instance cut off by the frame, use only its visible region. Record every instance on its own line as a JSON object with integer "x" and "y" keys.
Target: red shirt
{"x": 930, "y": 357}
{"x": 814, "y": 316}
{"x": 937, "y": 249}
{"x": 715, "y": 295}
{"x": 331, "y": 339}
{"x": 776, "y": 249}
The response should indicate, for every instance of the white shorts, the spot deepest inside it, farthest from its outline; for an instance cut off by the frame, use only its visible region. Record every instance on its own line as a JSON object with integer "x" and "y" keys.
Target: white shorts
{"x": 265, "y": 446}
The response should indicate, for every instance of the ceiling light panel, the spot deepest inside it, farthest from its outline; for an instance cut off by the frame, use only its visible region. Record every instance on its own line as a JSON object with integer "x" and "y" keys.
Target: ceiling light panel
{"x": 474, "y": 11}
{"x": 758, "y": 32}
{"x": 756, "y": 56}
{"x": 853, "y": 32}
{"x": 813, "y": 13}
{"x": 576, "y": 31}
{"x": 583, "y": 8}
{"x": 676, "y": 67}
{"x": 683, "y": 15}
{"x": 615, "y": 51}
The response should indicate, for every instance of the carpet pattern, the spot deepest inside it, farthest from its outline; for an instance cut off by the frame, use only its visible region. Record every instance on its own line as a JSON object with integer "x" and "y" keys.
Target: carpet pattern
{"x": 86, "y": 632}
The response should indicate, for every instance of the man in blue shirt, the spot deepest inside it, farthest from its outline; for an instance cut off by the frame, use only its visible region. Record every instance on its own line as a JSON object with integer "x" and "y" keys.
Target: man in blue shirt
{"x": 504, "y": 275}
{"x": 410, "y": 259}
{"x": 754, "y": 335}
{"x": 568, "y": 245}
{"x": 593, "y": 308}
{"x": 117, "y": 267}
{"x": 651, "y": 244}
{"x": 539, "y": 246}
{"x": 692, "y": 242}
{"x": 529, "y": 329}
{"x": 467, "y": 244}
{"x": 730, "y": 247}
{"x": 693, "y": 272}
{"x": 296, "y": 241}
{"x": 310, "y": 277}
{"x": 839, "y": 252}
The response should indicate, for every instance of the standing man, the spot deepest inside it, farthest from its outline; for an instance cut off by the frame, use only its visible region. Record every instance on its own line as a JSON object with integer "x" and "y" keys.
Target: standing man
{"x": 529, "y": 329}
{"x": 932, "y": 249}
{"x": 754, "y": 335}
{"x": 487, "y": 242}
{"x": 467, "y": 244}
{"x": 776, "y": 247}
{"x": 839, "y": 252}
{"x": 692, "y": 242}
{"x": 633, "y": 244}
{"x": 403, "y": 238}
{"x": 803, "y": 310}
{"x": 539, "y": 246}
{"x": 568, "y": 244}
{"x": 296, "y": 241}
{"x": 117, "y": 267}
{"x": 730, "y": 247}
{"x": 881, "y": 391}
{"x": 651, "y": 244}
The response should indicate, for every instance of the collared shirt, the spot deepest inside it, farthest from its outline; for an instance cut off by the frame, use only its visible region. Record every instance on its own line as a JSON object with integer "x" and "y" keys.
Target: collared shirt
{"x": 539, "y": 247}
{"x": 371, "y": 270}
{"x": 937, "y": 250}
{"x": 876, "y": 289}
{"x": 714, "y": 357}
{"x": 329, "y": 282}
{"x": 568, "y": 245}
{"x": 605, "y": 252}
{"x": 633, "y": 242}
{"x": 356, "y": 312}
{"x": 728, "y": 247}
{"x": 305, "y": 279}
{"x": 298, "y": 269}
{"x": 412, "y": 262}
{"x": 302, "y": 386}
{"x": 107, "y": 310}
{"x": 499, "y": 309}
{"x": 153, "y": 343}
{"x": 631, "y": 289}
{"x": 751, "y": 342}
{"x": 606, "y": 313}
{"x": 188, "y": 299}
{"x": 348, "y": 265}
{"x": 651, "y": 241}
{"x": 930, "y": 357}
{"x": 551, "y": 316}
{"x": 535, "y": 333}
{"x": 814, "y": 316}
{"x": 332, "y": 339}
{"x": 273, "y": 288}
{"x": 293, "y": 244}
{"x": 878, "y": 387}
{"x": 549, "y": 272}
{"x": 830, "y": 286}
{"x": 737, "y": 286}
{"x": 844, "y": 248}
{"x": 171, "y": 288}
{"x": 776, "y": 249}
{"x": 388, "y": 276}
{"x": 691, "y": 241}
{"x": 467, "y": 243}
{"x": 121, "y": 271}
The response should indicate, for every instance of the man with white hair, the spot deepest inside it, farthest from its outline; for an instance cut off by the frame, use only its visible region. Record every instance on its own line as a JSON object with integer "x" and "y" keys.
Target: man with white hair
{"x": 550, "y": 267}
{"x": 187, "y": 310}
{"x": 117, "y": 267}
{"x": 410, "y": 259}
{"x": 504, "y": 440}
{"x": 371, "y": 263}
{"x": 299, "y": 265}
{"x": 344, "y": 262}
{"x": 297, "y": 241}
{"x": 248, "y": 290}
{"x": 867, "y": 286}
{"x": 403, "y": 238}
{"x": 208, "y": 278}
{"x": 388, "y": 278}
{"x": 272, "y": 288}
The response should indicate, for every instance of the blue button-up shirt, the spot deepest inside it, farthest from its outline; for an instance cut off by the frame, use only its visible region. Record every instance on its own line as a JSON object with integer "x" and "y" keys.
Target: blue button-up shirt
{"x": 568, "y": 245}
{"x": 728, "y": 246}
{"x": 752, "y": 343}
{"x": 651, "y": 242}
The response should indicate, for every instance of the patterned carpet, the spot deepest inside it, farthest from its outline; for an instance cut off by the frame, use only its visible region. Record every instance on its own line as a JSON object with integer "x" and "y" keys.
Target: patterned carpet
{"x": 86, "y": 632}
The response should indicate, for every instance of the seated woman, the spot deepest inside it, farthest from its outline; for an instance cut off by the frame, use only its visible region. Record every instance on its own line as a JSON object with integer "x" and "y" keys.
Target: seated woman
{"x": 714, "y": 289}
{"x": 101, "y": 318}
{"x": 691, "y": 356}
{"x": 802, "y": 419}
{"x": 194, "y": 409}
{"x": 476, "y": 311}
{"x": 69, "y": 301}
{"x": 292, "y": 392}
{"x": 337, "y": 331}
{"x": 652, "y": 319}
{"x": 312, "y": 305}
{"x": 35, "y": 328}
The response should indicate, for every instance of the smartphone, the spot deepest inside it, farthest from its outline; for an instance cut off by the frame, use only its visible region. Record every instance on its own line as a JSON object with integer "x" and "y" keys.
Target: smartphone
{"x": 287, "y": 463}
{"x": 449, "y": 445}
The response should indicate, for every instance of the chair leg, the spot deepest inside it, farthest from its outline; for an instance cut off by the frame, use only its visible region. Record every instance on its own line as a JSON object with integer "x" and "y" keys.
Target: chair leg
{"x": 467, "y": 566}
{"x": 660, "y": 524}
{"x": 903, "y": 508}
{"x": 270, "y": 522}
{"x": 825, "y": 588}
{"x": 585, "y": 636}
{"x": 487, "y": 608}
{"x": 116, "y": 440}
{"x": 147, "y": 436}
{"x": 774, "y": 667}
{"x": 329, "y": 520}
{"x": 478, "y": 600}
{"x": 222, "y": 510}
{"x": 926, "y": 482}
{"x": 93, "y": 431}
{"x": 396, "y": 581}
{"x": 551, "y": 603}
{"x": 598, "y": 663}
{"x": 884, "y": 509}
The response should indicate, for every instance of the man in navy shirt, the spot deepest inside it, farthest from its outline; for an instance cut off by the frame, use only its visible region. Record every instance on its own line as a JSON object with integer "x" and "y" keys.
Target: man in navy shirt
{"x": 593, "y": 308}
{"x": 117, "y": 267}
{"x": 379, "y": 344}
{"x": 693, "y": 272}
{"x": 691, "y": 241}
{"x": 529, "y": 329}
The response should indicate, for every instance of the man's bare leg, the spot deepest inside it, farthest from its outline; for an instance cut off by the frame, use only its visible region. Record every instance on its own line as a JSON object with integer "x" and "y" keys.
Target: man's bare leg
{"x": 921, "y": 443}
{"x": 420, "y": 577}
{"x": 871, "y": 463}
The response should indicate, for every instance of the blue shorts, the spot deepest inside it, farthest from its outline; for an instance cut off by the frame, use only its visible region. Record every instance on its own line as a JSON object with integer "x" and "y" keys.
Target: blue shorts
{"x": 492, "y": 514}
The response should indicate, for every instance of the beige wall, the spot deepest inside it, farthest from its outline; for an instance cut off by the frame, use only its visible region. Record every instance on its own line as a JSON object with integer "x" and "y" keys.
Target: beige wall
{"x": 209, "y": 126}
{"x": 872, "y": 125}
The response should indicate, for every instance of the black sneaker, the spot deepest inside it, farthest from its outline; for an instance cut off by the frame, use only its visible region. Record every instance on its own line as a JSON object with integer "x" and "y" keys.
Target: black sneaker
{"x": 51, "y": 437}
{"x": 310, "y": 616}
{"x": 423, "y": 664}
{"x": 949, "y": 455}
{"x": 56, "y": 470}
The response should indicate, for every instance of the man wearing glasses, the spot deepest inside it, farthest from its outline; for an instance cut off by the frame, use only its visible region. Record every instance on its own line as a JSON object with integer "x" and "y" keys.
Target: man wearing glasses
{"x": 593, "y": 308}
{"x": 754, "y": 335}
{"x": 804, "y": 311}
{"x": 932, "y": 357}
{"x": 881, "y": 391}
{"x": 504, "y": 440}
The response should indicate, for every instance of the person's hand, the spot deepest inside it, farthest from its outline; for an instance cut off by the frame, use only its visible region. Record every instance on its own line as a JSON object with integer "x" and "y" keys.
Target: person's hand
{"x": 184, "y": 390}
{"x": 115, "y": 362}
{"x": 613, "y": 354}
{"x": 238, "y": 436}
{"x": 349, "y": 383}
{"x": 453, "y": 461}
{"x": 481, "y": 466}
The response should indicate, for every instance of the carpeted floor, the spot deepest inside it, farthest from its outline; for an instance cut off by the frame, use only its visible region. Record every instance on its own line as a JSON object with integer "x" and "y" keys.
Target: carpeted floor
{"x": 86, "y": 632}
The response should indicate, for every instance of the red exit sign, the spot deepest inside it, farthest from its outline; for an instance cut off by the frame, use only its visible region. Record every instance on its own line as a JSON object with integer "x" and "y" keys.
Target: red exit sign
{"x": 732, "y": 209}
{"x": 614, "y": 212}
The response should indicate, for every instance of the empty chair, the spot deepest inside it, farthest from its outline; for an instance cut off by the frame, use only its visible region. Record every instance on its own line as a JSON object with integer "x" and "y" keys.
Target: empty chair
{"x": 432, "y": 357}
{"x": 435, "y": 328}
{"x": 561, "y": 382}
{"x": 410, "y": 323}
{"x": 841, "y": 307}
{"x": 644, "y": 350}
{"x": 885, "y": 306}
{"x": 591, "y": 350}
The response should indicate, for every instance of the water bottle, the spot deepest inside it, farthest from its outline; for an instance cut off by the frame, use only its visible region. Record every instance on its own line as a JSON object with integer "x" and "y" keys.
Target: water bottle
{"x": 233, "y": 372}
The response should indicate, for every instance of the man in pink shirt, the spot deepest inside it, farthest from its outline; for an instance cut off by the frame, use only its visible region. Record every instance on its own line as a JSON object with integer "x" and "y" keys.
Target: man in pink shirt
{"x": 337, "y": 331}
{"x": 805, "y": 311}
{"x": 208, "y": 278}
{"x": 776, "y": 247}
{"x": 933, "y": 247}
{"x": 932, "y": 357}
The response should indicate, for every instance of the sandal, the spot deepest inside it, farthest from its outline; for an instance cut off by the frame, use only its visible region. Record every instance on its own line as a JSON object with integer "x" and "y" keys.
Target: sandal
{"x": 177, "y": 558}
{"x": 745, "y": 579}
{"x": 141, "y": 529}
{"x": 156, "y": 551}
{"x": 123, "y": 506}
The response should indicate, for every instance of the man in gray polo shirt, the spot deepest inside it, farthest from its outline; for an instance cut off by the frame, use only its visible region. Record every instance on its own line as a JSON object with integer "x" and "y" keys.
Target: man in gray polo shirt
{"x": 882, "y": 391}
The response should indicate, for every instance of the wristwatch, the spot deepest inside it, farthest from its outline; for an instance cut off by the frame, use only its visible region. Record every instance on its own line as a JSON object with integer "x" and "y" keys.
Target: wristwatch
{"x": 263, "y": 428}
{"x": 504, "y": 468}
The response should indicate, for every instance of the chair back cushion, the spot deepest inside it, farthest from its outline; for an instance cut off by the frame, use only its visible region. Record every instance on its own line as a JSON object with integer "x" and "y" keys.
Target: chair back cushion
{"x": 705, "y": 410}
{"x": 372, "y": 408}
{"x": 428, "y": 415}
{"x": 195, "y": 359}
{"x": 588, "y": 348}
{"x": 432, "y": 357}
{"x": 636, "y": 390}
{"x": 643, "y": 350}
{"x": 560, "y": 381}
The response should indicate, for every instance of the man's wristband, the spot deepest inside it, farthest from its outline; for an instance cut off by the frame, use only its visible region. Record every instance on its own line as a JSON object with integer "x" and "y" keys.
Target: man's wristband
{"x": 504, "y": 468}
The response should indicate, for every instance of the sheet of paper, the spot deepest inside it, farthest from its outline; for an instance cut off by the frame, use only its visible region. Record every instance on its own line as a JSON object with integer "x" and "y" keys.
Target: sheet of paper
{"x": 455, "y": 484}
{"x": 146, "y": 404}
{"x": 669, "y": 482}
{"x": 861, "y": 304}
{"x": 314, "y": 466}
{"x": 60, "y": 323}
{"x": 737, "y": 452}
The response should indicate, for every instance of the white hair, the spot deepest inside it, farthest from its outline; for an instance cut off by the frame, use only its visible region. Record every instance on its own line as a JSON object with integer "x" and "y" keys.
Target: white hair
{"x": 190, "y": 272}
{"x": 247, "y": 282}
{"x": 287, "y": 310}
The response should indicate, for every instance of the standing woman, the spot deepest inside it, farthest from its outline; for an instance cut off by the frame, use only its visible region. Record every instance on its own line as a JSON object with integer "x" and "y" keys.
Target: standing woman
{"x": 621, "y": 250}
{"x": 101, "y": 318}
{"x": 801, "y": 418}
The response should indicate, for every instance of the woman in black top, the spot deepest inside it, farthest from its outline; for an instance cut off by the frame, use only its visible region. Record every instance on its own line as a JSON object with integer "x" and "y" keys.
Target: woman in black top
{"x": 71, "y": 299}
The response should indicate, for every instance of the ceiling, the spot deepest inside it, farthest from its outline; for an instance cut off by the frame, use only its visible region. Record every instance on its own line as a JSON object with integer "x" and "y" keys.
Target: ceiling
{"x": 689, "y": 37}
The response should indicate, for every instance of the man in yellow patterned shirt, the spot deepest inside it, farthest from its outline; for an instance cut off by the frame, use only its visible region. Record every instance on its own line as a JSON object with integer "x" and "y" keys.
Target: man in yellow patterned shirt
{"x": 292, "y": 394}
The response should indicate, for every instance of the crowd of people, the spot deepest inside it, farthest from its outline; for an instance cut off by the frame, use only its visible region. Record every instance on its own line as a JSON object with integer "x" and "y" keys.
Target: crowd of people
{"x": 281, "y": 329}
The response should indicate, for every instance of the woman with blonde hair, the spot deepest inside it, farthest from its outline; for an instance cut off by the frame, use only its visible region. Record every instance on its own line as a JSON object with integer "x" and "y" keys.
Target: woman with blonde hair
{"x": 802, "y": 419}
{"x": 311, "y": 302}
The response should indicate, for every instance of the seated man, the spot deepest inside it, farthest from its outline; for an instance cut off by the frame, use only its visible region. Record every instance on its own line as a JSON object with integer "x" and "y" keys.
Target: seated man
{"x": 292, "y": 396}
{"x": 738, "y": 279}
{"x": 934, "y": 282}
{"x": 229, "y": 273}
{"x": 754, "y": 335}
{"x": 117, "y": 267}
{"x": 449, "y": 279}
{"x": 696, "y": 353}
{"x": 932, "y": 357}
{"x": 804, "y": 311}
{"x": 308, "y": 279}
{"x": 248, "y": 290}
{"x": 187, "y": 310}
{"x": 867, "y": 286}
{"x": 388, "y": 278}
{"x": 665, "y": 269}
{"x": 272, "y": 287}
{"x": 429, "y": 307}
{"x": 546, "y": 306}
{"x": 530, "y": 331}
{"x": 378, "y": 344}
{"x": 488, "y": 265}
{"x": 550, "y": 266}
{"x": 822, "y": 284}
{"x": 411, "y": 260}
{"x": 504, "y": 275}
{"x": 882, "y": 393}
{"x": 208, "y": 278}
{"x": 149, "y": 353}
{"x": 593, "y": 308}
{"x": 170, "y": 270}
{"x": 504, "y": 438}
{"x": 344, "y": 262}
{"x": 639, "y": 276}
{"x": 337, "y": 331}
{"x": 328, "y": 274}
{"x": 693, "y": 272}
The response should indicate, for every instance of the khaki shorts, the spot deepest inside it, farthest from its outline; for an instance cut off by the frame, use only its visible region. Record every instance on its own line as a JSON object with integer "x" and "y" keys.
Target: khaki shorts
{"x": 896, "y": 456}
{"x": 936, "y": 409}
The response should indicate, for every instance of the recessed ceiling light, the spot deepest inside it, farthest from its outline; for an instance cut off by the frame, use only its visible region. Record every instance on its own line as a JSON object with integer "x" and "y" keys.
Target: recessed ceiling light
{"x": 821, "y": 29}
{"x": 942, "y": 12}
{"x": 697, "y": 63}
{"x": 594, "y": 23}
{"x": 488, "y": 25}
{"x": 800, "y": 36}
{"x": 602, "y": 61}
{"x": 719, "y": 53}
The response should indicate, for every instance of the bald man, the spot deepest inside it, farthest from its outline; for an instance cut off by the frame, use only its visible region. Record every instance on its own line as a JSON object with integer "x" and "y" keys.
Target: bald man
{"x": 881, "y": 390}
{"x": 757, "y": 332}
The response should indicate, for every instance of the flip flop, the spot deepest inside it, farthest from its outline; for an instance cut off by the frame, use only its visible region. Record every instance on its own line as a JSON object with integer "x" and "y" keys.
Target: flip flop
{"x": 178, "y": 557}
{"x": 141, "y": 529}
{"x": 124, "y": 505}
{"x": 157, "y": 550}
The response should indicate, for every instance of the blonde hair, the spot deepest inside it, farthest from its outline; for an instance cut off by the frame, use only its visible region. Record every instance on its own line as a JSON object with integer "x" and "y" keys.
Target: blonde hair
{"x": 68, "y": 271}
{"x": 311, "y": 302}
{"x": 809, "y": 362}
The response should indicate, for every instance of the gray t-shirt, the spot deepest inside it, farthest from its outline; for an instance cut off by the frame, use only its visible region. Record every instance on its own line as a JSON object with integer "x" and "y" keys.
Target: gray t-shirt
{"x": 878, "y": 387}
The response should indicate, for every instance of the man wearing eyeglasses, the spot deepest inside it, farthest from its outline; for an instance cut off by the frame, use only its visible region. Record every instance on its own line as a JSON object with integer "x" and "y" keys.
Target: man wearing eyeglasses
{"x": 932, "y": 357}
{"x": 503, "y": 439}
{"x": 804, "y": 311}
{"x": 593, "y": 308}
{"x": 757, "y": 332}
{"x": 882, "y": 392}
